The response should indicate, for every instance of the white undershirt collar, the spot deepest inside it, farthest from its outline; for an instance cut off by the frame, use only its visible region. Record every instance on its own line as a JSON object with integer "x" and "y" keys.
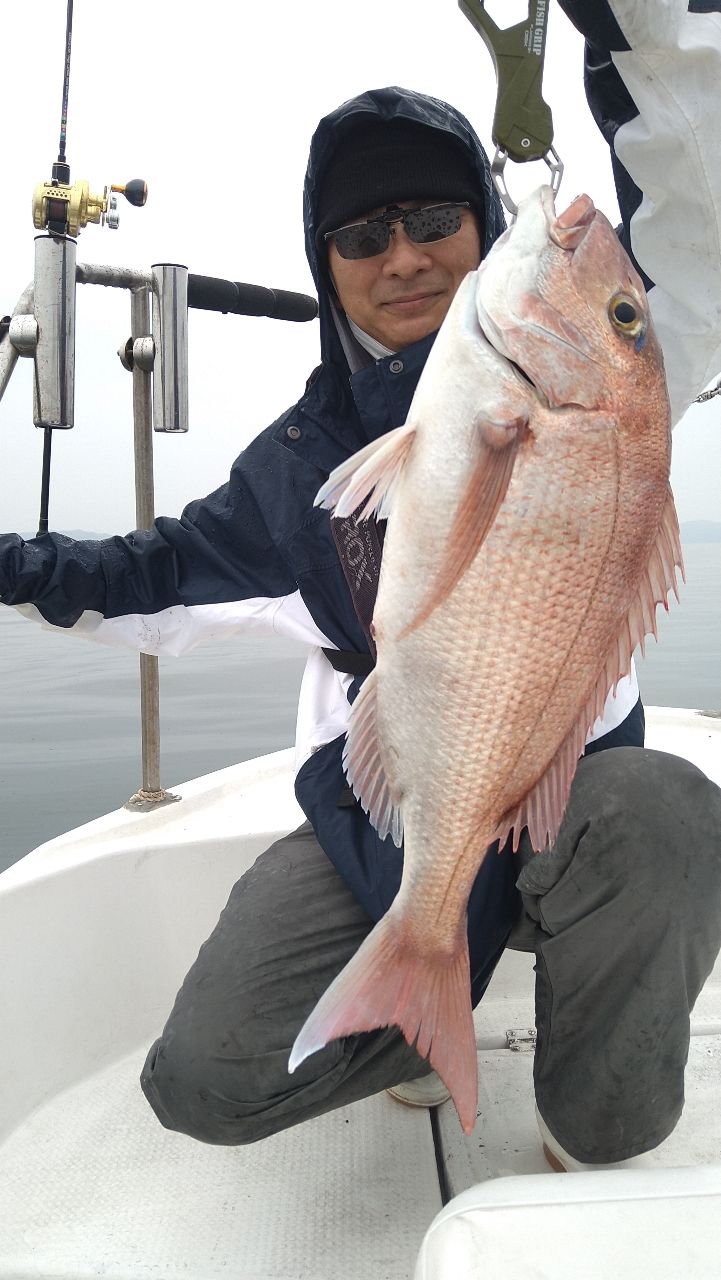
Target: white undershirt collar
{"x": 371, "y": 345}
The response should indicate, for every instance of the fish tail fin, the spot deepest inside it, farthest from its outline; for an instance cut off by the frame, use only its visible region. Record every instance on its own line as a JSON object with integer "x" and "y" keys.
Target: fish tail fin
{"x": 389, "y": 982}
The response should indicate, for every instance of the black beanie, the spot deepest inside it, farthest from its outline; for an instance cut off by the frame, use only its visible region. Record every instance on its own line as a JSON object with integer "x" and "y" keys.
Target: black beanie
{"x": 380, "y": 162}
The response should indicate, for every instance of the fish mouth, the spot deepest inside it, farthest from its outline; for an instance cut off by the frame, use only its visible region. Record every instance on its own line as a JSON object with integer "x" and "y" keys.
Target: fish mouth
{"x": 499, "y": 349}
{"x": 568, "y": 229}
{"x": 493, "y": 339}
{"x": 526, "y": 377}
{"x": 519, "y": 313}
{"x": 538, "y": 221}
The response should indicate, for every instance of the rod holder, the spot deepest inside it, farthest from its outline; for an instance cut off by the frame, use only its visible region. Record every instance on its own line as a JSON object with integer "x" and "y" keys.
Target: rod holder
{"x": 54, "y": 307}
{"x": 170, "y": 336}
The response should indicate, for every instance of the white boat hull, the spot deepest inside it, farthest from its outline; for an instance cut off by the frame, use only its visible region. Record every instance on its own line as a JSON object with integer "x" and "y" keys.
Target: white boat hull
{"x": 97, "y": 930}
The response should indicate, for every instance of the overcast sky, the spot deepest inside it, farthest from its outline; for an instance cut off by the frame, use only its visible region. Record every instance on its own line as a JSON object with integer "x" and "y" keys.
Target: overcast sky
{"x": 214, "y": 105}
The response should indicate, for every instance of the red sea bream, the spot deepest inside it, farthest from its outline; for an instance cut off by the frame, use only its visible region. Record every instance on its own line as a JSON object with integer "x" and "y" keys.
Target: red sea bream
{"x": 531, "y": 534}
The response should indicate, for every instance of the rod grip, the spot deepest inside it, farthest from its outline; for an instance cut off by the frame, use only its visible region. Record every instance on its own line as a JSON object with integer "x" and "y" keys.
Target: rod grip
{"x": 208, "y": 293}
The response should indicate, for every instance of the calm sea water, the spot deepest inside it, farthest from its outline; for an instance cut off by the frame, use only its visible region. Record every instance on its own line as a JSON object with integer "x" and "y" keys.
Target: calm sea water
{"x": 69, "y": 730}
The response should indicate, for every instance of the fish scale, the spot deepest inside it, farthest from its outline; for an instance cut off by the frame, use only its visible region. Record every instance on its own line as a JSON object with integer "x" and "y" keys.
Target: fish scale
{"x": 531, "y": 534}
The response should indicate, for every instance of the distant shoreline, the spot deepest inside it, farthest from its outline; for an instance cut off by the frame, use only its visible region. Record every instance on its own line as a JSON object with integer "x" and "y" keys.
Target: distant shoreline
{"x": 701, "y": 531}
{"x": 691, "y": 531}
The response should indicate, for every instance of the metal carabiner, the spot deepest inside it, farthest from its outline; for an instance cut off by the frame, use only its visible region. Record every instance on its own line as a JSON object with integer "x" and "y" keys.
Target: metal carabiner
{"x": 522, "y": 123}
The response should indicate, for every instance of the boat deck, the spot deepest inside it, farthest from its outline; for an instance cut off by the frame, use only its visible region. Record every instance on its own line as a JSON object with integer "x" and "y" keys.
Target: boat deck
{"x": 91, "y": 1184}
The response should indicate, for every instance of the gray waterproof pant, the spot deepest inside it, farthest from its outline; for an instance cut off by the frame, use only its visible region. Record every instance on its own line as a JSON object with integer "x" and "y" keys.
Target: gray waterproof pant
{"x": 624, "y": 914}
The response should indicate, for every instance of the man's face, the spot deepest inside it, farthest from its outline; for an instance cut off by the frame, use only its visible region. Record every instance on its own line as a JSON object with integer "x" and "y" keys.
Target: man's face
{"x": 400, "y": 296}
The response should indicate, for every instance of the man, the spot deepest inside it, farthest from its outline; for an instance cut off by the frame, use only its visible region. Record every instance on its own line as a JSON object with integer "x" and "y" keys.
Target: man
{"x": 624, "y": 892}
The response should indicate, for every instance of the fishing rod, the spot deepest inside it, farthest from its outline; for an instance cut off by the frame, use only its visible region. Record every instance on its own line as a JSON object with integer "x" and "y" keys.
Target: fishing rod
{"x": 43, "y": 324}
{"x": 61, "y": 209}
{"x": 522, "y": 122}
{"x": 42, "y": 327}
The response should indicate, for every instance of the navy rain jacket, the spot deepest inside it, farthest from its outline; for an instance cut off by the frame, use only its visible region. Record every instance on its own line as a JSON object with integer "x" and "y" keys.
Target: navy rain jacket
{"x": 257, "y": 554}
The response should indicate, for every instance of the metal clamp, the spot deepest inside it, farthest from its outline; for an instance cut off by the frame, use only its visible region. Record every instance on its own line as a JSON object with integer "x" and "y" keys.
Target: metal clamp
{"x": 23, "y": 333}
{"x": 709, "y": 395}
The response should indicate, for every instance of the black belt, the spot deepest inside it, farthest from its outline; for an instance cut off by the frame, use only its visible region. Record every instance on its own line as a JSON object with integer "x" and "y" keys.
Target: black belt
{"x": 352, "y": 663}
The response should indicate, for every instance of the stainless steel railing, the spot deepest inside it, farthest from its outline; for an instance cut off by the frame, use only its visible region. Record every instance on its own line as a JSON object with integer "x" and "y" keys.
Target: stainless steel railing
{"x": 156, "y": 354}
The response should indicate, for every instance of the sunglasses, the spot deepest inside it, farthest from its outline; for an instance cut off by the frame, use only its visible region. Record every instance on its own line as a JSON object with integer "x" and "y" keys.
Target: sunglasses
{"x": 422, "y": 226}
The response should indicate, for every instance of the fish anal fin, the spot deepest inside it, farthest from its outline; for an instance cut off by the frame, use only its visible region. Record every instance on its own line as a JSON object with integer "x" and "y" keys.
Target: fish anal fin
{"x": 372, "y": 473}
{"x": 364, "y": 767}
{"x": 389, "y": 982}
{"x": 477, "y": 509}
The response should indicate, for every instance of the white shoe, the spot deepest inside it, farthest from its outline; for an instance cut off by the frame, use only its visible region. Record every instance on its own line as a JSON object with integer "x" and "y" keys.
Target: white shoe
{"x": 561, "y": 1162}
{"x": 426, "y": 1091}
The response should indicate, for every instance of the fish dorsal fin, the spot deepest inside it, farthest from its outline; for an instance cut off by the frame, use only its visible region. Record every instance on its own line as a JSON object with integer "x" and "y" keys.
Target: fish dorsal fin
{"x": 364, "y": 767}
{"x": 542, "y": 808}
{"x": 498, "y": 444}
{"x": 371, "y": 473}
{"x": 655, "y": 586}
{"x": 657, "y": 583}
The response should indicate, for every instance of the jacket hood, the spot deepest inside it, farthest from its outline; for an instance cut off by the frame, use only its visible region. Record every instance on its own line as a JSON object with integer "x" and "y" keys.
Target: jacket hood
{"x": 383, "y": 104}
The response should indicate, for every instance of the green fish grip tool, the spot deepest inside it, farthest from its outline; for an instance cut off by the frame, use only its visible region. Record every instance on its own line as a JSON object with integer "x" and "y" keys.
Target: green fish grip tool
{"x": 522, "y": 123}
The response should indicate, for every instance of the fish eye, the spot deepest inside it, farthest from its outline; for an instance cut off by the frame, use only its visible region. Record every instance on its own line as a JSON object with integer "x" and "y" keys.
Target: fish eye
{"x": 626, "y": 316}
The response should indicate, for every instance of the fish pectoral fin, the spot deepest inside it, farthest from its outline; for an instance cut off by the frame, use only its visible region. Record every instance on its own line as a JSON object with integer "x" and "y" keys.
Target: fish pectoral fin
{"x": 390, "y": 982}
{"x": 371, "y": 473}
{"x": 479, "y": 505}
{"x": 364, "y": 767}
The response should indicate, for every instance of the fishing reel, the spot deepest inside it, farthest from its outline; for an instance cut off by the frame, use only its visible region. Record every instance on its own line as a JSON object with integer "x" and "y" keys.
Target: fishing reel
{"x": 60, "y": 211}
{"x": 64, "y": 210}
